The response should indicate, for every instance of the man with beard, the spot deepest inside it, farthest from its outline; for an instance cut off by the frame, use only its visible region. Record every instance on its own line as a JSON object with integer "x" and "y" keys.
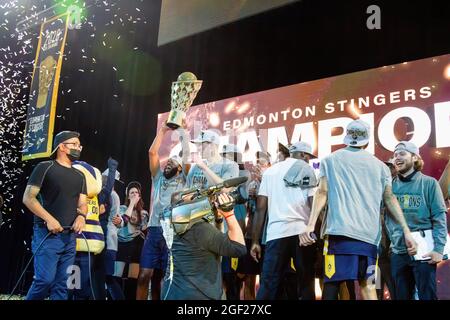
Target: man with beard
{"x": 423, "y": 204}
{"x": 172, "y": 179}
{"x": 62, "y": 193}
{"x": 353, "y": 183}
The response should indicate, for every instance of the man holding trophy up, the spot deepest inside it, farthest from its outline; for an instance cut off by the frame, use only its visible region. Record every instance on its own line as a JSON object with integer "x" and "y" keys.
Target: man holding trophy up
{"x": 166, "y": 181}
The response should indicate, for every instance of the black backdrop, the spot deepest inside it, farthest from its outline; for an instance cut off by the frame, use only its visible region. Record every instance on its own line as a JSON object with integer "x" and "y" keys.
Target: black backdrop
{"x": 115, "y": 107}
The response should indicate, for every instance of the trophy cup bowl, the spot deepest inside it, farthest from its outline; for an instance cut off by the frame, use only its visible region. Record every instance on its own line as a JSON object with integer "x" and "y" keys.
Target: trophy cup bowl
{"x": 183, "y": 93}
{"x": 47, "y": 70}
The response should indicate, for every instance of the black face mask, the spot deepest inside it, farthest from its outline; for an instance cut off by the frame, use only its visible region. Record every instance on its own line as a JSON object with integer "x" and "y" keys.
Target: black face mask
{"x": 74, "y": 154}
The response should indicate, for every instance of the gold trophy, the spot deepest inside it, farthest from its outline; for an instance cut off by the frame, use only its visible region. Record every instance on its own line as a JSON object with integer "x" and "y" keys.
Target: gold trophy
{"x": 184, "y": 91}
{"x": 47, "y": 70}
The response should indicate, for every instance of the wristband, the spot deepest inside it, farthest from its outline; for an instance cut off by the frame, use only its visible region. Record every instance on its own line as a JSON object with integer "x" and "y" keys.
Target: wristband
{"x": 82, "y": 215}
{"x": 227, "y": 216}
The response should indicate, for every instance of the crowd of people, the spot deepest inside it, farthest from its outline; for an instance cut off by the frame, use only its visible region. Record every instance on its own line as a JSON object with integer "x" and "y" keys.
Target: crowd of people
{"x": 359, "y": 219}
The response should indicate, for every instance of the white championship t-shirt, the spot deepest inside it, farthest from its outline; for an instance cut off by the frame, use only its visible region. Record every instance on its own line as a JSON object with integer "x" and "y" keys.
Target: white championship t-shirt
{"x": 288, "y": 210}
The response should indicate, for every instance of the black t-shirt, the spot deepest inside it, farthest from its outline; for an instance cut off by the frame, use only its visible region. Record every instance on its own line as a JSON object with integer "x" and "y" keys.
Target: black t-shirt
{"x": 197, "y": 273}
{"x": 60, "y": 189}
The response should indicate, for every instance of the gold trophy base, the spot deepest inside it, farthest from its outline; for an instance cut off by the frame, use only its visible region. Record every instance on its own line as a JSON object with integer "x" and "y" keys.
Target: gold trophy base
{"x": 175, "y": 119}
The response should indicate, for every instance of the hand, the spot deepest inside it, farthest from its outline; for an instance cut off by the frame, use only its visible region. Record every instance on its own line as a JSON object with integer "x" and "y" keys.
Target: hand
{"x": 117, "y": 220}
{"x": 54, "y": 226}
{"x": 411, "y": 244}
{"x": 198, "y": 160}
{"x": 164, "y": 129}
{"x": 223, "y": 203}
{"x": 435, "y": 257}
{"x": 255, "y": 252}
{"x": 257, "y": 173}
{"x": 112, "y": 164}
{"x": 135, "y": 199}
{"x": 305, "y": 238}
{"x": 78, "y": 224}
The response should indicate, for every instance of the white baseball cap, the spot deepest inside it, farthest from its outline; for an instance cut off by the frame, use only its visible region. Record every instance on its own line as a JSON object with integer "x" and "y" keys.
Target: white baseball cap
{"x": 302, "y": 146}
{"x": 207, "y": 136}
{"x": 358, "y": 133}
{"x": 408, "y": 146}
{"x": 176, "y": 158}
{"x": 117, "y": 175}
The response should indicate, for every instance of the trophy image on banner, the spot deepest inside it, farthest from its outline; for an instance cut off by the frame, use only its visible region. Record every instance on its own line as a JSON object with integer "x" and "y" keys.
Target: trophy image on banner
{"x": 47, "y": 70}
{"x": 184, "y": 91}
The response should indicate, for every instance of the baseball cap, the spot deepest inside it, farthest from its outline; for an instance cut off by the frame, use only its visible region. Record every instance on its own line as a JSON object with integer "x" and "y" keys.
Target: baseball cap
{"x": 63, "y": 136}
{"x": 207, "y": 136}
{"x": 230, "y": 148}
{"x": 263, "y": 154}
{"x": 133, "y": 184}
{"x": 176, "y": 158}
{"x": 116, "y": 177}
{"x": 358, "y": 133}
{"x": 282, "y": 148}
{"x": 302, "y": 146}
{"x": 408, "y": 146}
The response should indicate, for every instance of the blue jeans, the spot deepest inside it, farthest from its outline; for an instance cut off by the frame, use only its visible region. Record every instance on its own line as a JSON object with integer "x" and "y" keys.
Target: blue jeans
{"x": 277, "y": 258}
{"x": 51, "y": 263}
{"x": 84, "y": 292}
{"x": 409, "y": 274}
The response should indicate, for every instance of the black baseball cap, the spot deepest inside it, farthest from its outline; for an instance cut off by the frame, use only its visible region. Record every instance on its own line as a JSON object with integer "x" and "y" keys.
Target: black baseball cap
{"x": 63, "y": 136}
{"x": 263, "y": 154}
{"x": 282, "y": 148}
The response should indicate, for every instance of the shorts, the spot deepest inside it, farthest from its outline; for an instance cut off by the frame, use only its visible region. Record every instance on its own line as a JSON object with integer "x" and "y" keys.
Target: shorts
{"x": 349, "y": 259}
{"x": 155, "y": 253}
{"x": 130, "y": 252}
{"x": 229, "y": 265}
{"x": 246, "y": 264}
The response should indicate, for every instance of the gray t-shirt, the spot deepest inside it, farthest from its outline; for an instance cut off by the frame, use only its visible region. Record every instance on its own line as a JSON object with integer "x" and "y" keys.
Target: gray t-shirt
{"x": 225, "y": 169}
{"x": 197, "y": 273}
{"x": 356, "y": 183}
{"x": 162, "y": 192}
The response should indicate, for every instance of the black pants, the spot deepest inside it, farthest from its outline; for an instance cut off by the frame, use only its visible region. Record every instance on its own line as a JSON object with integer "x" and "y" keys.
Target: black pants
{"x": 277, "y": 258}
{"x": 409, "y": 274}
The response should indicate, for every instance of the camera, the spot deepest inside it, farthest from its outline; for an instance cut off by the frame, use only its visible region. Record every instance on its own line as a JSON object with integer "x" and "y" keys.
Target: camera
{"x": 194, "y": 205}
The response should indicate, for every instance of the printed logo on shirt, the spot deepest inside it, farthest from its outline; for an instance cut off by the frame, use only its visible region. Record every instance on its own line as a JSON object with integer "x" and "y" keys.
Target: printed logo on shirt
{"x": 199, "y": 180}
{"x": 305, "y": 181}
{"x": 410, "y": 201}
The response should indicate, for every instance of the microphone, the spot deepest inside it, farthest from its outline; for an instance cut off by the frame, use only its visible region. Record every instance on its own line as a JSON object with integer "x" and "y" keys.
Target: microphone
{"x": 233, "y": 182}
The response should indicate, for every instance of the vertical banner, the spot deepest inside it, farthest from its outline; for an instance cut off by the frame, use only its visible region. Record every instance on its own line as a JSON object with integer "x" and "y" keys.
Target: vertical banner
{"x": 38, "y": 135}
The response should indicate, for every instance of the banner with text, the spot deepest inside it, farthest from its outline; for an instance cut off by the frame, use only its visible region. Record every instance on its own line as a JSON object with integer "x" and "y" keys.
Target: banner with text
{"x": 38, "y": 135}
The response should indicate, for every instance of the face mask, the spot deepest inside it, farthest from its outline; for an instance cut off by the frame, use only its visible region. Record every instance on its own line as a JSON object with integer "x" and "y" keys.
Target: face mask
{"x": 74, "y": 154}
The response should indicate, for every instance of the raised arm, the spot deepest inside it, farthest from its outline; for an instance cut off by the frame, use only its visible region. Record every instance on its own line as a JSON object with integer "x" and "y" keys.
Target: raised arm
{"x": 153, "y": 156}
